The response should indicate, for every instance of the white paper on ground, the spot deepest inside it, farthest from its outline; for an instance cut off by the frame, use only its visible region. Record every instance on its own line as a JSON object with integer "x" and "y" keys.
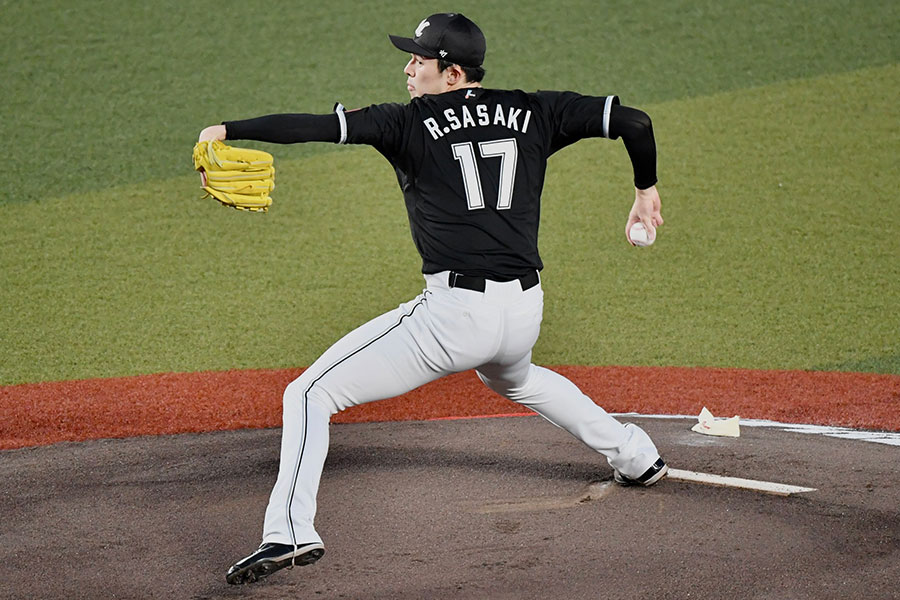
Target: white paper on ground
{"x": 709, "y": 425}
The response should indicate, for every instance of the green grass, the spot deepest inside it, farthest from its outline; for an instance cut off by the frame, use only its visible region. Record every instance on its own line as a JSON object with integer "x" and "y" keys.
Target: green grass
{"x": 776, "y": 123}
{"x": 770, "y": 258}
{"x": 102, "y": 93}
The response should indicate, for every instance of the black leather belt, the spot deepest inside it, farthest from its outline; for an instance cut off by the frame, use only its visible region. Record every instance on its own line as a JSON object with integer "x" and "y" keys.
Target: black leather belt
{"x": 477, "y": 284}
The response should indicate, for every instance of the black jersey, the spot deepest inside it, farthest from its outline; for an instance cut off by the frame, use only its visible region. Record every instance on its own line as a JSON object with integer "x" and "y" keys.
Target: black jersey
{"x": 471, "y": 165}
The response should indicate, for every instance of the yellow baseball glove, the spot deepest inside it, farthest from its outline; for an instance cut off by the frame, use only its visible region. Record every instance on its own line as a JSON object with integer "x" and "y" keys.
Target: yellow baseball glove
{"x": 238, "y": 177}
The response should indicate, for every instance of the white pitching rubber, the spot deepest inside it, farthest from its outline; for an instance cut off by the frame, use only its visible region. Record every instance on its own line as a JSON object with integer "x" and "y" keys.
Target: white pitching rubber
{"x": 768, "y": 487}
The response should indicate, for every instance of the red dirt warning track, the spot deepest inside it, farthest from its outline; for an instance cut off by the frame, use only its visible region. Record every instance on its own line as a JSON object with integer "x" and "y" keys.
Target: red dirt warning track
{"x": 45, "y": 413}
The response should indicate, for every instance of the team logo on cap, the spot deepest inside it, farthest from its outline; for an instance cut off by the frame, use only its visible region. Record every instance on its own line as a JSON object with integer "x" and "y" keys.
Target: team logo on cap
{"x": 421, "y": 27}
{"x": 443, "y": 53}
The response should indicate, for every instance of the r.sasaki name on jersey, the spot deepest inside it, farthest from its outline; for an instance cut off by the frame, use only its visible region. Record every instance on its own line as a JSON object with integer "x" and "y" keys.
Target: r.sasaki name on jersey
{"x": 510, "y": 119}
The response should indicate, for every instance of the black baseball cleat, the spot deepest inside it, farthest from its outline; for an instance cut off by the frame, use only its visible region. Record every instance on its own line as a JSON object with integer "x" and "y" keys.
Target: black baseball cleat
{"x": 270, "y": 558}
{"x": 650, "y": 476}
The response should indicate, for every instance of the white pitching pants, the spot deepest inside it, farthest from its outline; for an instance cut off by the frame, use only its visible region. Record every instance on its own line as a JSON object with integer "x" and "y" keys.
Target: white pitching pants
{"x": 444, "y": 330}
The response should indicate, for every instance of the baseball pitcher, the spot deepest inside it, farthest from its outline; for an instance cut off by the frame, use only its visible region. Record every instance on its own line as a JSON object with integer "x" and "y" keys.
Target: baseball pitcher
{"x": 470, "y": 162}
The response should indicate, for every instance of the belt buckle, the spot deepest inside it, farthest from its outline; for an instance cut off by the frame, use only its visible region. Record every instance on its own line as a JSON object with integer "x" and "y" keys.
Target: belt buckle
{"x": 452, "y": 280}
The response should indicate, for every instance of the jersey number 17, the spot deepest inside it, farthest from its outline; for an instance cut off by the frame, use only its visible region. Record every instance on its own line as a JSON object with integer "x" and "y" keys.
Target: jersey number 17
{"x": 507, "y": 151}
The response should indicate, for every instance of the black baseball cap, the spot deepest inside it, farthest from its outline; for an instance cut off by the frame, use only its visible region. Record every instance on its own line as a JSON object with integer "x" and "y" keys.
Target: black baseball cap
{"x": 450, "y": 36}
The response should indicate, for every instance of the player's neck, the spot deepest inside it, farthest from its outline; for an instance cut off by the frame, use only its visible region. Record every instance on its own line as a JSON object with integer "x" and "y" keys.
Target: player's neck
{"x": 463, "y": 85}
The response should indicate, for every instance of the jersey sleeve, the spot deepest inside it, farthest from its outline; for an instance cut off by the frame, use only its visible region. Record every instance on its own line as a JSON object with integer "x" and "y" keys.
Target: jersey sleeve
{"x": 572, "y": 116}
{"x": 381, "y": 126}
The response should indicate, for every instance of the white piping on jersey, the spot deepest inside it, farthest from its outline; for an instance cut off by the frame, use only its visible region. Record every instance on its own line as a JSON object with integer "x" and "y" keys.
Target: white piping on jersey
{"x": 607, "y": 109}
{"x": 342, "y": 119}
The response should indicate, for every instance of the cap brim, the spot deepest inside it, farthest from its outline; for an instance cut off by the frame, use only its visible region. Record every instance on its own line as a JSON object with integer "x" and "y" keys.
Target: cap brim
{"x": 408, "y": 45}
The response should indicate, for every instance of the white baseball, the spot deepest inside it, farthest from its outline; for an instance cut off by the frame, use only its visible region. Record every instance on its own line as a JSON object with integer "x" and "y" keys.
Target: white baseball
{"x": 640, "y": 236}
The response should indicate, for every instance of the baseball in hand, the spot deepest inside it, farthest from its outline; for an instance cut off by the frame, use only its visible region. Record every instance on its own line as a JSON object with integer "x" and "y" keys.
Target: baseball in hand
{"x": 641, "y": 236}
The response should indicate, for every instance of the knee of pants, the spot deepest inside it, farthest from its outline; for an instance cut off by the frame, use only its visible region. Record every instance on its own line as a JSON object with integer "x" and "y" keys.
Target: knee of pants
{"x": 306, "y": 389}
{"x": 506, "y": 389}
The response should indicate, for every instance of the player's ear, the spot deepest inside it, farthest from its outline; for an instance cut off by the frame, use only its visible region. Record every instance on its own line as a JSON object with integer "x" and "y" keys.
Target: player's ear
{"x": 455, "y": 75}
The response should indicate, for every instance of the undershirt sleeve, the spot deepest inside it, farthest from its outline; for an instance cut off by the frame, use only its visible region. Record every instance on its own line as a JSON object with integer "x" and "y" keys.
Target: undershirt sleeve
{"x": 380, "y": 126}
{"x": 286, "y": 128}
{"x": 636, "y": 130}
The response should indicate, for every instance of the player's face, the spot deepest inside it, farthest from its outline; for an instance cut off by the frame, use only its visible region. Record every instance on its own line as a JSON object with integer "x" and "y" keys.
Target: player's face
{"x": 423, "y": 77}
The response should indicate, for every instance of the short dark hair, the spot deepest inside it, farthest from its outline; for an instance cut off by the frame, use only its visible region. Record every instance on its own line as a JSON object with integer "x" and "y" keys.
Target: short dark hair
{"x": 473, "y": 74}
